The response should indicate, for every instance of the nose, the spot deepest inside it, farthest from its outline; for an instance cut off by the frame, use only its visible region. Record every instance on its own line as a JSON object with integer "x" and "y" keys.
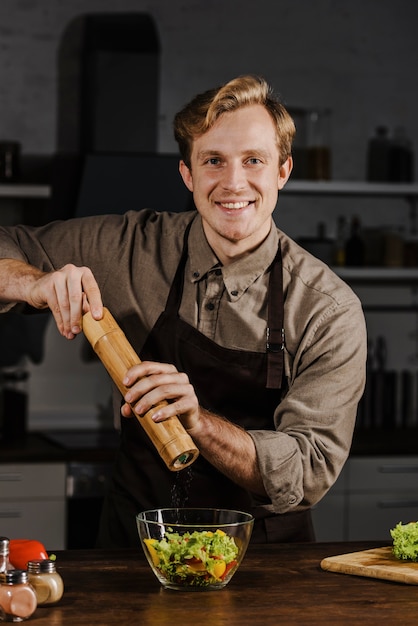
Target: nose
{"x": 234, "y": 178}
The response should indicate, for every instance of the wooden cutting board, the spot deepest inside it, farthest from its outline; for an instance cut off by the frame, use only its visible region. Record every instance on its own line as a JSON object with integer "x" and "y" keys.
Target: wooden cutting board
{"x": 375, "y": 563}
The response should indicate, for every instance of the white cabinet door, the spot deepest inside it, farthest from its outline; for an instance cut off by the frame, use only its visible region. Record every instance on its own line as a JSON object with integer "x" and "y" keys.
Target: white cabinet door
{"x": 43, "y": 520}
{"x": 32, "y": 503}
{"x": 38, "y": 480}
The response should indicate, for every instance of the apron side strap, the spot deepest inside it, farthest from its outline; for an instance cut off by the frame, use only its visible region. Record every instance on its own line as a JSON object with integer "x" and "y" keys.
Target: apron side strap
{"x": 275, "y": 342}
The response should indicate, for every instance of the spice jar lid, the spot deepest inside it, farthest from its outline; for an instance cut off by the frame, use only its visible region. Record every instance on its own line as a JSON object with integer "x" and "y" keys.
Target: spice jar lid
{"x": 41, "y": 566}
{"x": 4, "y": 545}
{"x": 16, "y": 576}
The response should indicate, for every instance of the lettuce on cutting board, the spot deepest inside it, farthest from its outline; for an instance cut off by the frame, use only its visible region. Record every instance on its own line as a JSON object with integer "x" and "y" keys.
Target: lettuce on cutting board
{"x": 405, "y": 541}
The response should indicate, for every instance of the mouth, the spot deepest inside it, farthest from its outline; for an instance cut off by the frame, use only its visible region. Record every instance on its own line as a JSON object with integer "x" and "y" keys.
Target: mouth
{"x": 235, "y": 206}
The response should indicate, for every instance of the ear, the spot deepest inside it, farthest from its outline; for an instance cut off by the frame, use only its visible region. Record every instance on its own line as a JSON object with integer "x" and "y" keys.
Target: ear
{"x": 284, "y": 172}
{"x": 186, "y": 175}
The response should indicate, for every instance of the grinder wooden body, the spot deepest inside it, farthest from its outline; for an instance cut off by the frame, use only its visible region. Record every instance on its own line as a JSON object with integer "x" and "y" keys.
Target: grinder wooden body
{"x": 173, "y": 443}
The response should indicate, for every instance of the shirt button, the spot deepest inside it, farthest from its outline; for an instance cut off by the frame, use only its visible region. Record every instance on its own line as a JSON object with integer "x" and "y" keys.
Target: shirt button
{"x": 210, "y": 306}
{"x": 234, "y": 293}
{"x": 292, "y": 499}
{"x": 196, "y": 274}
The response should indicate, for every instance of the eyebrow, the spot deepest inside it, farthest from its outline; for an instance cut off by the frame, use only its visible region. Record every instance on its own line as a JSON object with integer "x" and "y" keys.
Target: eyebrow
{"x": 204, "y": 154}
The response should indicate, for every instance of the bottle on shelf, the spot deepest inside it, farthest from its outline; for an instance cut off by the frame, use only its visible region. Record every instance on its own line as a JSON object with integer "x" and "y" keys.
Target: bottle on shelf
{"x": 354, "y": 249}
{"x": 393, "y": 247}
{"x": 401, "y": 157}
{"x": 378, "y": 156}
{"x": 318, "y": 144}
{"x": 340, "y": 241}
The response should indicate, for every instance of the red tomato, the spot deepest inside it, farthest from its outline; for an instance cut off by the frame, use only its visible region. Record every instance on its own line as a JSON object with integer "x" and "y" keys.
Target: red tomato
{"x": 24, "y": 550}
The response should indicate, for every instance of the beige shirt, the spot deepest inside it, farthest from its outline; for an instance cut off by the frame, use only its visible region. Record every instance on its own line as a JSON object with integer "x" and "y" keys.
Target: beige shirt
{"x": 134, "y": 258}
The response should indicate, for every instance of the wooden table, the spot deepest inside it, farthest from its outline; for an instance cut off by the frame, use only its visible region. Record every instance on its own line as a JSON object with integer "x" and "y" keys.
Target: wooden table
{"x": 276, "y": 585}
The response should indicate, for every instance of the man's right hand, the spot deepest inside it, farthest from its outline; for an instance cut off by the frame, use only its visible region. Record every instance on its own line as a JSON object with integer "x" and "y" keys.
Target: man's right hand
{"x": 69, "y": 292}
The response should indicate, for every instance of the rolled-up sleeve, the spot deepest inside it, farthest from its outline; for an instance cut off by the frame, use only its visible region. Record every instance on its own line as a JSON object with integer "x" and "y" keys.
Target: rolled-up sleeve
{"x": 325, "y": 366}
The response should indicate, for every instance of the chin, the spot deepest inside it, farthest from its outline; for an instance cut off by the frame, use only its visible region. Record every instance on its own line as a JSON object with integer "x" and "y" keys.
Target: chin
{"x": 235, "y": 236}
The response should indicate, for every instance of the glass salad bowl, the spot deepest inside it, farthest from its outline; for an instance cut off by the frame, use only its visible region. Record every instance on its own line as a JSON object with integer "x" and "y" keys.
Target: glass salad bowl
{"x": 194, "y": 549}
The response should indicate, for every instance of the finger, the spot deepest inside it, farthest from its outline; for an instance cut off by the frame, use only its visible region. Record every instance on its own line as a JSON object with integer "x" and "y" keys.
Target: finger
{"x": 56, "y": 312}
{"x": 93, "y": 295}
{"x": 170, "y": 409}
{"x": 77, "y": 291}
{"x": 126, "y": 410}
{"x": 146, "y": 369}
{"x": 157, "y": 383}
{"x": 84, "y": 295}
{"x": 181, "y": 395}
{"x": 60, "y": 304}
{"x": 75, "y": 301}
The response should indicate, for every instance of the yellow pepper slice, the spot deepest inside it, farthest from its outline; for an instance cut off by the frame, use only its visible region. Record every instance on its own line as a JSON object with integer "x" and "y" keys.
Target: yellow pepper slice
{"x": 219, "y": 568}
{"x": 152, "y": 551}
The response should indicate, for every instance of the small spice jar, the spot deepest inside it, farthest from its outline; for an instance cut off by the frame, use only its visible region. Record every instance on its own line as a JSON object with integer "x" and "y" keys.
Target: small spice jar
{"x": 46, "y": 581}
{"x": 5, "y": 565}
{"x": 17, "y": 597}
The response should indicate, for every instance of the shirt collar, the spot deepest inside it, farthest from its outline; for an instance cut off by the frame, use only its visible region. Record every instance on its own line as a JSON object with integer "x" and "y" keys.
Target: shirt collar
{"x": 240, "y": 274}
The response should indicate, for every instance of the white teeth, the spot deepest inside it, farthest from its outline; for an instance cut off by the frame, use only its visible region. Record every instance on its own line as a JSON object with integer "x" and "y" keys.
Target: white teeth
{"x": 234, "y": 205}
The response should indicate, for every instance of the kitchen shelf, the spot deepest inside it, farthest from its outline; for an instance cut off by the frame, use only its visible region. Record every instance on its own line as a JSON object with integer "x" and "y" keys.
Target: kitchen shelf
{"x": 378, "y": 275}
{"x": 366, "y": 275}
{"x": 351, "y": 188}
{"x": 24, "y": 191}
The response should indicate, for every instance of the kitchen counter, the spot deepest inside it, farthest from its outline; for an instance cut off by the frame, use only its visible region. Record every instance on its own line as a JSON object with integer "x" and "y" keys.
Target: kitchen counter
{"x": 276, "y": 584}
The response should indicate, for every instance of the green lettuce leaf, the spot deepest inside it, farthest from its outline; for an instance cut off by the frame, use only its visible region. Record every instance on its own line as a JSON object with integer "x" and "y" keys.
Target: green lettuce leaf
{"x": 405, "y": 541}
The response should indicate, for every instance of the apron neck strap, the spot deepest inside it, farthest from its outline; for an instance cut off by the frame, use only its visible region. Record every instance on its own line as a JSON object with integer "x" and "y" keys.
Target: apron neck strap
{"x": 275, "y": 326}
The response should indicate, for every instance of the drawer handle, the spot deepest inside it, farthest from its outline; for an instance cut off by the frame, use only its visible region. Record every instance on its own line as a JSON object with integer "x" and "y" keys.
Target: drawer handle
{"x": 393, "y": 504}
{"x": 11, "y": 477}
{"x": 398, "y": 469}
{"x": 10, "y": 514}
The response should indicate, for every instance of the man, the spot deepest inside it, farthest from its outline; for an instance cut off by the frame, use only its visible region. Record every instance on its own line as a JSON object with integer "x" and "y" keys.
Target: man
{"x": 256, "y": 345}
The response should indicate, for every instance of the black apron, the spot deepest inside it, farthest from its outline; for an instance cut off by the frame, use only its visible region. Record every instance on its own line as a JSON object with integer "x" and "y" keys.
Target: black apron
{"x": 242, "y": 386}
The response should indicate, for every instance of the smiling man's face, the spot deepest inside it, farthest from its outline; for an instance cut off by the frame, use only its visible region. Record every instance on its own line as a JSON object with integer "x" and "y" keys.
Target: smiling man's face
{"x": 235, "y": 177}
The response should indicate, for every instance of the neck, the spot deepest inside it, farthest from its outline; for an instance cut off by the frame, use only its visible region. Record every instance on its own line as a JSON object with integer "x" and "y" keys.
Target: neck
{"x": 228, "y": 250}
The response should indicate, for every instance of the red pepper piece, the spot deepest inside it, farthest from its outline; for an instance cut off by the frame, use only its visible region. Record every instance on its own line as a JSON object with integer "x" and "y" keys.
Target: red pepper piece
{"x": 24, "y": 550}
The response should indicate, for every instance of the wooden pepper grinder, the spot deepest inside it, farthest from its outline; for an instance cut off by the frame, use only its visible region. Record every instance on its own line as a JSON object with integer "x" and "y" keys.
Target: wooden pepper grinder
{"x": 173, "y": 443}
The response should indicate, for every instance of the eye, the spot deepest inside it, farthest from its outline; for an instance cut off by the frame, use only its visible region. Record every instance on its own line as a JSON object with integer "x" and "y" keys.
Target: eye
{"x": 254, "y": 161}
{"x": 213, "y": 161}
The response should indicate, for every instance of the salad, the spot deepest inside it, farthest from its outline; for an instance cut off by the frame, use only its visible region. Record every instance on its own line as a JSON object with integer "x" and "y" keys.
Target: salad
{"x": 198, "y": 558}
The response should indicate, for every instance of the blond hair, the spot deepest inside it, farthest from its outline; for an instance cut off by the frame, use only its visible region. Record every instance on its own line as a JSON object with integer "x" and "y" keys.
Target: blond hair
{"x": 201, "y": 113}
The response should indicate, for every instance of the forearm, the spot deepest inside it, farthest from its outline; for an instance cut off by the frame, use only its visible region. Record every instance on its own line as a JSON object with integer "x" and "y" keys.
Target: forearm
{"x": 16, "y": 280}
{"x": 230, "y": 449}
